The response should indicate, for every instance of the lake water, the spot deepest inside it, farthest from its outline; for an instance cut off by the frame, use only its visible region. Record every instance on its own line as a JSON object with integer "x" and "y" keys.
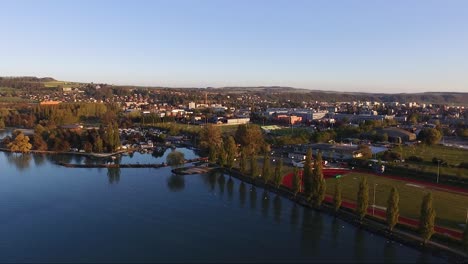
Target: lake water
{"x": 50, "y": 213}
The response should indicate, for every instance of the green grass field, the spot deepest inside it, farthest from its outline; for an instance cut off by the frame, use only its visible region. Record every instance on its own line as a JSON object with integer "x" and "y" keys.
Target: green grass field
{"x": 54, "y": 84}
{"x": 451, "y": 208}
{"x": 453, "y": 156}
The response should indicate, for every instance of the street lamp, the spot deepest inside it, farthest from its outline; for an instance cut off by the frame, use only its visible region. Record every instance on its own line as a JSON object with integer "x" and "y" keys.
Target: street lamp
{"x": 373, "y": 206}
{"x": 438, "y": 170}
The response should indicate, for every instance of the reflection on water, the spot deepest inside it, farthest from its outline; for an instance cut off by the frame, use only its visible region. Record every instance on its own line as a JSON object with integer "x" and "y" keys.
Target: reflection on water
{"x": 390, "y": 252}
{"x": 242, "y": 194}
{"x": 335, "y": 229}
{"x": 176, "y": 183}
{"x": 294, "y": 216}
{"x": 307, "y": 229}
{"x": 265, "y": 203}
{"x": 20, "y": 161}
{"x": 230, "y": 188}
{"x": 359, "y": 246}
{"x": 253, "y": 197}
{"x": 221, "y": 182}
{"x": 39, "y": 159}
{"x": 277, "y": 208}
{"x": 113, "y": 175}
{"x": 211, "y": 179}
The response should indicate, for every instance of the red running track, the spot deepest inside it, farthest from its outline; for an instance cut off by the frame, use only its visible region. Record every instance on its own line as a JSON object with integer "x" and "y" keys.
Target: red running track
{"x": 327, "y": 173}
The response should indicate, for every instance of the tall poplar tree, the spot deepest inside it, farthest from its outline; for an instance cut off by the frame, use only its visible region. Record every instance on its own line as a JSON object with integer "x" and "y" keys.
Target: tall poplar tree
{"x": 253, "y": 167}
{"x": 362, "y": 199}
{"x": 393, "y": 211}
{"x": 231, "y": 151}
{"x": 307, "y": 174}
{"x": 243, "y": 162}
{"x": 337, "y": 195}
{"x": 266, "y": 170}
{"x": 279, "y": 173}
{"x": 427, "y": 218}
{"x": 296, "y": 184}
{"x": 319, "y": 184}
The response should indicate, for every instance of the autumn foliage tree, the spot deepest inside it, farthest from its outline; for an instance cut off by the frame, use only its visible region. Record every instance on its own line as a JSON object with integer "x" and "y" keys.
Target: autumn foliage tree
{"x": 20, "y": 143}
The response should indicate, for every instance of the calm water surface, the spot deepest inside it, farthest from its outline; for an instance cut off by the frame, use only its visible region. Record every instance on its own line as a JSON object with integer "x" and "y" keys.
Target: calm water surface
{"x": 50, "y": 213}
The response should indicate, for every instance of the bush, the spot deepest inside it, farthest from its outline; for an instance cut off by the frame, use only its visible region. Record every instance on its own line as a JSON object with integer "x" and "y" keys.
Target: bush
{"x": 415, "y": 159}
{"x": 391, "y": 156}
{"x": 175, "y": 158}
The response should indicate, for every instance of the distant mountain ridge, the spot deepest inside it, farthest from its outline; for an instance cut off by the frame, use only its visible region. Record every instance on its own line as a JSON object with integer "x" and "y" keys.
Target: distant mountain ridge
{"x": 281, "y": 92}
{"x": 337, "y": 96}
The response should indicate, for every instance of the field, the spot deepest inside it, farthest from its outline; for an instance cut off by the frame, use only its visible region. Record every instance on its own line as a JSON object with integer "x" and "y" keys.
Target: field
{"x": 10, "y": 99}
{"x": 453, "y": 157}
{"x": 451, "y": 208}
{"x": 54, "y": 84}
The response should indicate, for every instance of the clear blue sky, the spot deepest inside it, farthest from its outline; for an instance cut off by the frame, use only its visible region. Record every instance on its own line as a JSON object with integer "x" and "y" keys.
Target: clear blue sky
{"x": 385, "y": 46}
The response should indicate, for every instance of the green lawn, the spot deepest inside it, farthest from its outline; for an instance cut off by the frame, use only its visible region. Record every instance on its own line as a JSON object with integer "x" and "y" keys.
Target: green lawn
{"x": 54, "y": 84}
{"x": 453, "y": 157}
{"x": 450, "y": 208}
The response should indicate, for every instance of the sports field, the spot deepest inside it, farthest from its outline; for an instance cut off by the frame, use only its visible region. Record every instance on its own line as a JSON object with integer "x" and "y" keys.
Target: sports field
{"x": 450, "y": 206}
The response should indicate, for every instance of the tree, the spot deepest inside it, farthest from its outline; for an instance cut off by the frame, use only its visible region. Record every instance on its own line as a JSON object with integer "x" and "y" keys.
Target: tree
{"x": 222, "y": 156}
{"x": 279, "y": 173}
{"x": 39, "y": 143}
{"x": 98, "y": 145}
{"x": 296, "y": 181}
{"x": 20, "y": 144}
{"x": 210, "y": 136}
{"x": 393, "y": 211}
{"x": 365, "y": 151}
{"x": 253, "y": 167}
{"x": 231, "y": 151}
{"x": 250, "y": 137}
{"x": 427, "y": 218}
{"x": 212, "y": 154}
{"x": 430, "y": 136}
{"x": 175, "y": 158}
{"x": 243, "y": 162}
{"x": 307, "y": 174}
{"x": 266, "y": 170}
{"x": 337, "y": 196}
{"x": 88, "y": 147}
{"x": 319, "y": 184}
{"x": 362, "y": 199}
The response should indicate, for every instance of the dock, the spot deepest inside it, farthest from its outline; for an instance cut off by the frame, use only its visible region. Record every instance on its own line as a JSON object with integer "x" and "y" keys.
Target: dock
{"x": 113, "y": 165}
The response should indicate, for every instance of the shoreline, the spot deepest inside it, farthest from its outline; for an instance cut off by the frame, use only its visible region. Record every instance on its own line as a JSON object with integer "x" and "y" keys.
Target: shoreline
{"x": 371, "y": 224}
{"x": 91, "y": 154}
